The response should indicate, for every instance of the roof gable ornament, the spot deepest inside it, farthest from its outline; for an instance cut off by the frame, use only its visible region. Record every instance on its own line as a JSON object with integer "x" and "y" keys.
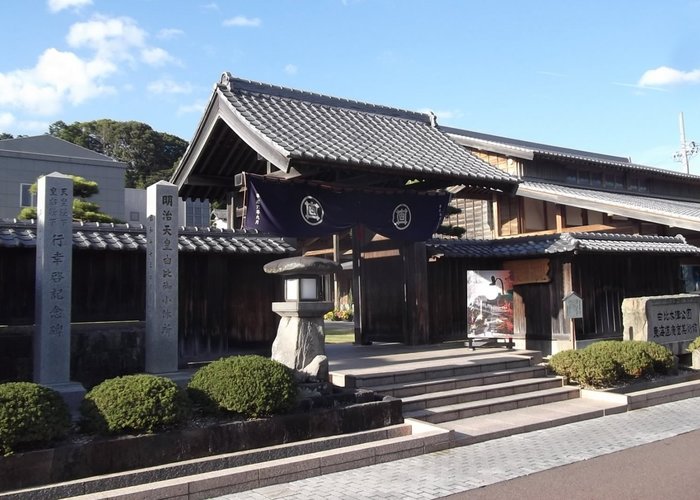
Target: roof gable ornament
{"x": 433, "y": 119}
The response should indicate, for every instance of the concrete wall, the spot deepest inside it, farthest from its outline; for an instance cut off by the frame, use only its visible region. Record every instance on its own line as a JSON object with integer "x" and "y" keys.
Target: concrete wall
{"x": 18, "y": 167}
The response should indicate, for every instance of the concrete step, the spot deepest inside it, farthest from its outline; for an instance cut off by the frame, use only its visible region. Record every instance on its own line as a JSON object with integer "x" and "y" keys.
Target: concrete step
{"x": 418, "y": 372}
{"x": 242, "y": 471}
{"x": 478, "y": 393}
{"x": 461, "y": 382}
{"x": 493, "y": 426}
{"x": 487, "y": 406}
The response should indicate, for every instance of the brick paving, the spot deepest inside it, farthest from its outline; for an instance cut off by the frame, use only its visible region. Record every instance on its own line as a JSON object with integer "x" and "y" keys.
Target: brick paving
{"x": 464, "y": 468}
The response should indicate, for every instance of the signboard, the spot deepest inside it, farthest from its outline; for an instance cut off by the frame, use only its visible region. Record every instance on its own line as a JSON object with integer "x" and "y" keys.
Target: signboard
{"x": 573, "y": 306}
{"x": 490, "y": 303}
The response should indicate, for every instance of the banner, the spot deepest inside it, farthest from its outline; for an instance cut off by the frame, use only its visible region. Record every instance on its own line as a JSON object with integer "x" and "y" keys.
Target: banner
{"x": 304, "y": 210}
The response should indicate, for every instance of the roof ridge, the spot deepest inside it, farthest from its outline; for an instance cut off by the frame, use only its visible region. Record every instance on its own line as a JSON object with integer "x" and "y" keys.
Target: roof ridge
{"x": 232, "y": 84}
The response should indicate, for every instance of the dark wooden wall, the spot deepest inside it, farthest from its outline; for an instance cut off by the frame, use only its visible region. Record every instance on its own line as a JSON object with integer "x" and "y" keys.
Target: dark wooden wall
{"x": 602, "y": 281}
{"x": 225, "y": 300}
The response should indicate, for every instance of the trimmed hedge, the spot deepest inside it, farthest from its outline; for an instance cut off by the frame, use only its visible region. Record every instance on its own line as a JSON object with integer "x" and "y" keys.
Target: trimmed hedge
{"x": 134, "y": 403}
{"x": 608, "y": 363}
{"x": 694, "y": 345}
{"x": 252, "y": 386}
{"x": 31, "y": 414}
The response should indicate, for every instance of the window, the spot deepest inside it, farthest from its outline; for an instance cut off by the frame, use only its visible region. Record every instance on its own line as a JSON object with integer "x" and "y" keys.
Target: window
{"x": 26, "y": 198}
{"x": 134, "y": 216}
{"x": 534, "y": 215}
{"x": 197, "y": 213}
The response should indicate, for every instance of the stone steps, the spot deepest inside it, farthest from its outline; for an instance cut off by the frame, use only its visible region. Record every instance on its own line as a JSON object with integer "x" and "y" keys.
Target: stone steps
{"x": 493, "y": 405}
{"x": 478, "y": 393}
{"x": 446, "y": 384}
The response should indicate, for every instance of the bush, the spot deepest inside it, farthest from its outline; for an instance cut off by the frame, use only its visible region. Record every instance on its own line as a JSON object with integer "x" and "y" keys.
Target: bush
{"x": 134, "y": 403}
{"x": 30, "y": 414}
{"x": 694, "y": 345}
{"x": 566, "y": 363}
{"x": 338, "y": 315}
{"x": 607, "y": 363}
{"x": 252, "y": 386}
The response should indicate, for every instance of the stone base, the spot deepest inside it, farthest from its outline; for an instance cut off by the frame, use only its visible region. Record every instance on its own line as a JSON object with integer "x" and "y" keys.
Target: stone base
{"x": 72, "y": 393}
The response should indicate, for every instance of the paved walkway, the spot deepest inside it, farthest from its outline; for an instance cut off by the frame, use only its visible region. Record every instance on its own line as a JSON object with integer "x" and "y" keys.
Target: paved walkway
{"x": 465, "y": 468}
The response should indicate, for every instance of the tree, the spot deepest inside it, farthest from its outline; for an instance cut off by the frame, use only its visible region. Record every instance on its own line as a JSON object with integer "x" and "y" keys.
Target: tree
{"x": 5, "y": 135}
{"x": 82, "y": 209}
{"x": 151, "y": 156}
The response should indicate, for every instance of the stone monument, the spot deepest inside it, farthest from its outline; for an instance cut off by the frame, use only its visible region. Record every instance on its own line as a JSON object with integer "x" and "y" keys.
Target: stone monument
{"x": 669, "y": 320}
{"x": 300, "y": 341}
{"x": 161, "y": 280}
{"x": 54, "y": 259}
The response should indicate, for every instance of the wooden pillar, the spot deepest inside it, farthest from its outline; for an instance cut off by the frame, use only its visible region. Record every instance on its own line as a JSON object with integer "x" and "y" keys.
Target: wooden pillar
{"x": 568, "y": 286}
{"x": 416, "y": 307}
{"x": 334, "y": 277}
{"x": 358, "y": 286}
{"x": 560, "y": 218}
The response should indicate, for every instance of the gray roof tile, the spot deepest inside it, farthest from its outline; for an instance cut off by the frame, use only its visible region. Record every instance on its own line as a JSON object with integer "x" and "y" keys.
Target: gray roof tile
{"x": 531, "y": 246}
{"x": 685, "y": 214}
{"x": 306, "y": 126}
{"x": 126, "y": 237}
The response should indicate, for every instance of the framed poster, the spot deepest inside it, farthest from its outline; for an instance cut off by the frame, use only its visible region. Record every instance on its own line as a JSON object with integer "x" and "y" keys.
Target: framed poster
{"x": 490, "y": 303}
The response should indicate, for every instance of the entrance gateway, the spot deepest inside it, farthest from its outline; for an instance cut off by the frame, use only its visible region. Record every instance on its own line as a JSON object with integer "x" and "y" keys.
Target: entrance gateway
{"x": 375, "y": 178}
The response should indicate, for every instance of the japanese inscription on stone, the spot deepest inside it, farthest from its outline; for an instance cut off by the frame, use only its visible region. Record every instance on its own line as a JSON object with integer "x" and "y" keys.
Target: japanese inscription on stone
{"x": 53, "y": 278}
{"x": 673, "y": 322}
{"x": 162, "y": 289}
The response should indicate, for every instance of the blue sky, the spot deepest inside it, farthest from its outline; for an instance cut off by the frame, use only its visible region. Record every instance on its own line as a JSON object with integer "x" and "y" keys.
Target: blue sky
{"x": 609, "y": 76}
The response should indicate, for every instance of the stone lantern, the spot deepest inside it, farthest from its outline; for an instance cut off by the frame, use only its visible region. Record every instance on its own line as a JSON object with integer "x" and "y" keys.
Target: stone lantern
{"x": 300, "y": 340}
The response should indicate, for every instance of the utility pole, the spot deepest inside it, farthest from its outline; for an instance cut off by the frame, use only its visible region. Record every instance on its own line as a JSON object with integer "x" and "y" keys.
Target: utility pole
{"x": 687, "y": 150}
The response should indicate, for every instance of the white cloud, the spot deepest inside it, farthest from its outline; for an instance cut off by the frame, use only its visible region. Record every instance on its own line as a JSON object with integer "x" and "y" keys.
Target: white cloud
{"x": 291, "y": 69}
{"x": 61, "y": 77}
{"x": 169, "y": 86}
{"x": 168, "y": 33}
{"x": 211, "y": 6}
{"x": 663, "y": 76}
{"x": 112, "y": 38}
{"x": 59, "y": 5}
{"x": 197, "y": 107}
{"x": 57, "y": 77}
{"x": 242, "y": 21}
{"x": 155, "y": 56}
{"x": 6, "y": 121}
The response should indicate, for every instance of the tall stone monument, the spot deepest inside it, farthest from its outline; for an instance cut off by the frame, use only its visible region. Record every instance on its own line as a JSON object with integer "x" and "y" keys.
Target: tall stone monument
{"x": 162, "y": 278}
{"x": 54, "y": 258}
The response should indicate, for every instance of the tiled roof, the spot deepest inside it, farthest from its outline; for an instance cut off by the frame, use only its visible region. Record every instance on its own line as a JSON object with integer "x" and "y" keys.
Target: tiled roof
{"x": 97, "y": 236}
{"x": 675, "y": 213}
{"x": 312, "y": 127}
{"x": 504, "y": 144}
{"x": 531, "y": 246}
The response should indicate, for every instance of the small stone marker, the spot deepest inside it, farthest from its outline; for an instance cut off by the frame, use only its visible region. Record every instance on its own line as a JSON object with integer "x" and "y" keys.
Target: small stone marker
{"x": 162, "y": 278}
{"x": 54, "y": 258}
{"x": 670, "y": 320}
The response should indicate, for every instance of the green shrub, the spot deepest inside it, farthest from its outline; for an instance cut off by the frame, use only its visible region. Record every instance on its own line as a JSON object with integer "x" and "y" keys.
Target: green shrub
{"x": 30, "y": 414}
{"x": 566, "y": 363}
{"x": 338, "y": 315}
{"x": 252, "y": 386}
{"x": 607, "y": 363}
{"x": 134, "y": 403}
{"x": 694, "y": 345}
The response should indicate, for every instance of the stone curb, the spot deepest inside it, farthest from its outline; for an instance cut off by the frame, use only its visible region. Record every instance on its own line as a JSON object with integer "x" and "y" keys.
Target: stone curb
{"x": 300, "y": 460}
{"x": 647, "y": 397}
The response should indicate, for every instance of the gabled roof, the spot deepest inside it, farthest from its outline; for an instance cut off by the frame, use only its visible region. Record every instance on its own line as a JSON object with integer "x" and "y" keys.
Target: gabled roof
{"x": 48, "y": 147}
{"x": 101, "y": 236}
{"x": 532, "y": 246}
{"x": 673, "y": 213}
{"x": 530, "y": 150}
{"x": 295, "y": 130}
